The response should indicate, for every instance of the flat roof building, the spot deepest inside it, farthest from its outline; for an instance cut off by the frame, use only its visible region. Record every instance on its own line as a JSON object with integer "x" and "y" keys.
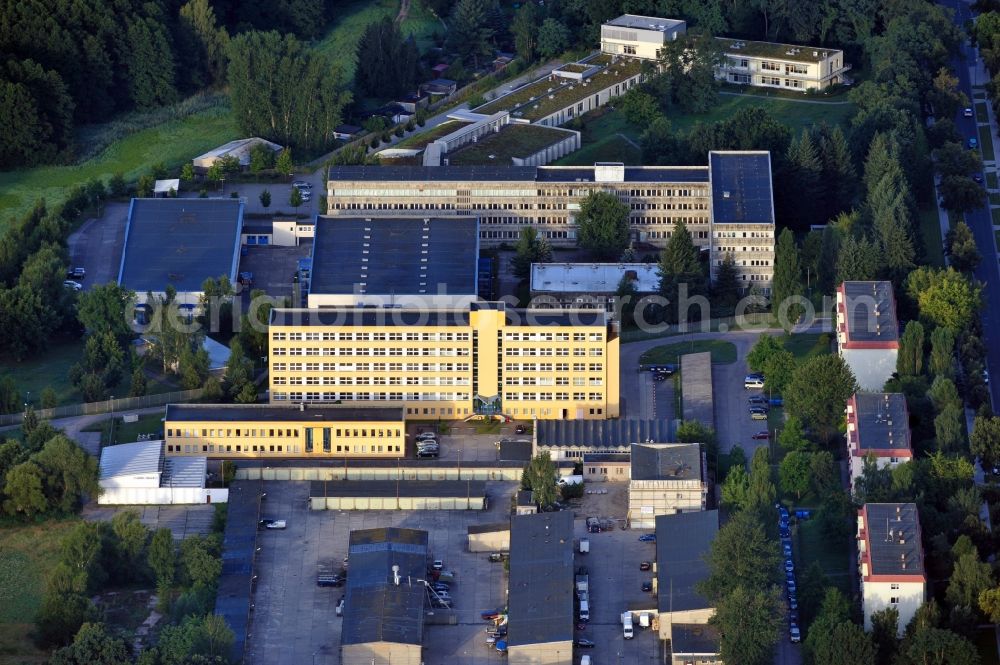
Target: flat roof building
{"x": 891, "y": 560}
{"x": 394, "y": 262}
{"x": 682, "y": 543}
{"x": 314, "y": 431}
{"x": 639, "y": 36}
{"x": 878, "y": 424}
{"x": 785, "y": 66}
{"x": 572, "y": 439}
{"x": 727, "y": 205}
{"x": 695, "y": 643}
{"x": 697, "y": 394}
{"x": 447, "y": 363}
{"x": 540, "y": 595}
{"x": 868, "y": 331}
{"x": 665, "y": 479}
{"x": 384, "y": 602}
{"x": 181, "y": 243}
{"x": 138, "y": 474}
{"x": 399, "y": 494}
{"x": 588, "y": 285}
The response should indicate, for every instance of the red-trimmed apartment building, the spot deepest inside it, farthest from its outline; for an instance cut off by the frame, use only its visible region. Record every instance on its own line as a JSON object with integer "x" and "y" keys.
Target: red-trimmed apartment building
{"x": 878, "y": 424}
{"x": 890, "y": 560}
{"x": 868, "y": 331}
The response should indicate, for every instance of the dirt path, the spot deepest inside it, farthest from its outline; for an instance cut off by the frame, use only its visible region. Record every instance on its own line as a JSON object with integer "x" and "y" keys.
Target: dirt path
{"x": 404, "y": 11}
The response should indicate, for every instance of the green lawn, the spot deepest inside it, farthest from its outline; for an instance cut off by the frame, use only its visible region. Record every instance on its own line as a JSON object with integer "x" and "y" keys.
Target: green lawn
{"x": 128, "y": 432}
{"x": 981, "y": 113}
{"x": 994, "y": 199}
{"x": 611, "y": 148}
{"x": 26, "y": 554}
{"x": 986, "y": 143}
{"x": 172, "y": 143}
{"x": 991, "y": 180}
{"x": 341, "y": 41}
{"x": 930, "y": 233}
{"x": 723, "y": 353}
{"x": 425, "y": 138}
{"x": 986, "y": 644}
{"x": 795, "y": 114}
{"x": 811, "y": 545}
{"x": 47, "y": 369}
{"x": 807, "y": 345}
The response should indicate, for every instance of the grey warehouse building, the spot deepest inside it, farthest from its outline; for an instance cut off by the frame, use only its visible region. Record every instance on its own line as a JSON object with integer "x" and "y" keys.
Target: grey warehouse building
{"x": 682, "y": 542}
{"x": 572, "y": 439}
{"x": 384, "y": 602}
{"x": 398, "y": 495}
{"x": 540, "y": 593}
{"x": 181, "y": 243}
{"x": 394, "y": 262}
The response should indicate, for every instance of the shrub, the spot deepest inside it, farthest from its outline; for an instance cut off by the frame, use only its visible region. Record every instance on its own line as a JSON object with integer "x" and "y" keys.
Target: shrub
{"x": 399, "y": 131}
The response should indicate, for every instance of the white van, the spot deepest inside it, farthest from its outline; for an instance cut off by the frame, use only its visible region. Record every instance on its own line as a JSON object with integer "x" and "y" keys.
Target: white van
{"x": 627, "y": 625}
{"x": 584, "y": 610}
{"x": 751, "y": 383}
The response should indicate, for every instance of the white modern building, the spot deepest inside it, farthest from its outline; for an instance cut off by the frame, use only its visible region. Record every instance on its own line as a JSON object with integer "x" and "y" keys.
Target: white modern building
{"x": 878, "y": 426}
{"x": 785, "y": 66}
{"x": 666, "y": 479}
{"x": 138, "y": 474}
{"x": 868, "y": 332}
{"x": 639, "y": 36}
{"x": 891, "y": 560}
{"x": 239, "y": 149}
{"x": 588, "y": 285}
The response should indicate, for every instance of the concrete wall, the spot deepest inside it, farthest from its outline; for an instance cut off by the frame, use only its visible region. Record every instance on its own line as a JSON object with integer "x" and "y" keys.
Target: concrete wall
{"x": 396, "y": 503}
{"x": 549, "y": 653}
{"x": 876, "y": 597}
{"x": 606, "y": 471}
{"x": 551, "y": 153}
{"x": 158, "y": 496}
{"x": 871, "y": 367}
{"x": 373, "y": 473}
{"x": 490, "y": 541}
{"x": 381, "y": 653}
{"x": 649, "y": 498}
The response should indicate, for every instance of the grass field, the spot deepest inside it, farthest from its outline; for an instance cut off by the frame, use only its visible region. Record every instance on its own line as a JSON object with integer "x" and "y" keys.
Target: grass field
{"x": 811, "y": 545}
{"x": 47, "y": 369}
{"x": 930, "y": 234}
{"x": 986, "y": 143}
{"x": 172, "y": 143}
{"x": 610, "y": 148}
{"x": 341, "y": 41}
{"x": 986, "y": 643}
{"x": 128, "y": 432}
{"x": 991, "y": 180}
{"x": 795, "y": 114}
{"x": 981, "y": 113}
{"x": 26, "y": 552}
{"x": 807, "y": 345}
{"x": 723, "y": 353}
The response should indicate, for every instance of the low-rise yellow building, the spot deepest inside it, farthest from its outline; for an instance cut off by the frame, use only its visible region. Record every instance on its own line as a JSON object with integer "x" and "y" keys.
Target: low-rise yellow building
{"x": 448, "y": 363}
{"x": 279, "y": 431}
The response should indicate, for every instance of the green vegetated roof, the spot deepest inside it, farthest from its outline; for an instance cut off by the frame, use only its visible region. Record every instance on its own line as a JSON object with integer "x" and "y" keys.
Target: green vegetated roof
{"x": 575, "y": 67}
{"x": 534, "y": 102}
{"x": 791, "y": 52}
{"x": 423, "y": 139}
{"x": 513, "y": 140}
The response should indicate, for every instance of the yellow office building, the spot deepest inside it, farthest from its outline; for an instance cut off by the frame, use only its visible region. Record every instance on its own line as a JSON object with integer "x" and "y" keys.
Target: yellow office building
{"x": 448, "y": 363}
{"x": 277, "y": 431}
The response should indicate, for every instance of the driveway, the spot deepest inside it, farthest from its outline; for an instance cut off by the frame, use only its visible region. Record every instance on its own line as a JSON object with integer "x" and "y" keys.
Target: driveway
{"x": 97, "y": 245}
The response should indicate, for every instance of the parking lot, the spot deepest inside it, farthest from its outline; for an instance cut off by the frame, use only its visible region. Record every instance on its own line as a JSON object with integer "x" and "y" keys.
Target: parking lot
{"x": 97, "y": 245}
{"x": 273, "y": 268}
{"x": 294, "y": 620}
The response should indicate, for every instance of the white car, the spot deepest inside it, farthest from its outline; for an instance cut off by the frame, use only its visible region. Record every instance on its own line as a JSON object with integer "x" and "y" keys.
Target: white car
{"x": 70, "y": 284}
{"x": 967, "y": 112}
{"x": 275, "y": 524}
{"x": 301, "y": 184}
{"x": 426, "y": 435}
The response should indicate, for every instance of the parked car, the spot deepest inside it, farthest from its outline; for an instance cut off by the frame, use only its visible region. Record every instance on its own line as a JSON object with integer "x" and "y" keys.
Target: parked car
{"x": 787, "y": 549}
{"x": 660, "y": 376}
{"x": 967, "y": 112}
{"x": 793, "y": 633}
{"x": 973, "y": 143}
{"x": 977, "y": 177}
{"x": 246, "y": 278}
{"x": 489, "y": 615}
{"x": 645, "y": 565}
{"x": 582, "y": 570}
{"x": 76, "y": 273}
{"x": 302, "y": 184}
{"x": 793, "y": 602}
{"x": 438, "y": 564}
{"x": 762, "y": 435}
{"x": 520, "y": 429}
{"x": 271, "y": 524}
{"x": 426, "y": 435}
{"x": 441, "y": 587}
{"x": 328, "y": 579}
{"x": 647, "y": 587}
{"x": 647, "y": 538}
{"x": 585, "y": 659}
{"x": 753, "y": 384}
{"x": 427, "y": 453}
{"x": 584, "y": 643}
{"x": 757, "y": 413}
{"x": 496, "y": 557}
{"x": 757, "y": 400}
{"x": 789, "y": 566}
{"x": 75, "y": 286}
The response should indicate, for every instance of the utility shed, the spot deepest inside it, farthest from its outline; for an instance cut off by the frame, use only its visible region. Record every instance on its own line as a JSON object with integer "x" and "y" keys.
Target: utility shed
{"x": 180, "y": 242}
{"x": 540, "y": 594}
{"x": 489, "y": 537}
{"x": 696, "y": 388}
{"x": 384, "y": 601}
{"x": 682, "y": 541}
{"x": 397, "y": 495}
{"x": 665, "y": 479}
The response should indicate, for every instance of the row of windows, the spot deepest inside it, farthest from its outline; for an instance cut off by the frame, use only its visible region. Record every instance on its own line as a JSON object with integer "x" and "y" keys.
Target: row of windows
{"x": 369, "y": 396}
{"x": 394, "y": 194}
{"x": 552, "y": 337}
{"x": 239, "y": 448}
{"x": 734, "y": 250}
{"x": 370, "y": 337}
{"x": 548, "y": 367}
{"x": 369, "y": 367}
{"x": 745, "y": 234}
{"x": 550, "y": 381}
{"x": 369, "y": 381}
{"x": 274, "y": 433}
{"x": 698, "y": 205}
{"x": 548, "y": 397}
{"x": 532, "y": 351}
{"x": 547, "y": 411}
{"x": 362, "y": 351}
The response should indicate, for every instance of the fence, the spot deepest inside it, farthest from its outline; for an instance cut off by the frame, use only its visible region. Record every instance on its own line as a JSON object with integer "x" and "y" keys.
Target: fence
{"x": 106, "y": 406}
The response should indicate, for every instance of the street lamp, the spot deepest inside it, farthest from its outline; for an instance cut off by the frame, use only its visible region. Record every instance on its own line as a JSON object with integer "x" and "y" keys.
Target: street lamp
{"x": 111, "y": 407}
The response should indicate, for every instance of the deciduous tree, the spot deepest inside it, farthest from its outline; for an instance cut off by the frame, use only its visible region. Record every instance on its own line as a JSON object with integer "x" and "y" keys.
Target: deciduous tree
{"x": 603, "y": 225}
{"x": 794, "y": 472}
{"x": 961, "y": 248}
{"x": 910, "y": 359}
{"x": 748, "y": 619}
{"x": 818, "y": 393}
{"x": 530, "y": 248}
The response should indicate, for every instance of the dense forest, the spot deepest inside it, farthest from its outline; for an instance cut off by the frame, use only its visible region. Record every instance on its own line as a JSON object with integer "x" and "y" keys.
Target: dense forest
{"x": 66, "y": 63}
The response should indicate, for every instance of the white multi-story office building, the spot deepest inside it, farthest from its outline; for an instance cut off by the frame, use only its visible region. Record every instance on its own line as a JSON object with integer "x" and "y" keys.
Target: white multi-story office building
{"x": 639, "y": 36}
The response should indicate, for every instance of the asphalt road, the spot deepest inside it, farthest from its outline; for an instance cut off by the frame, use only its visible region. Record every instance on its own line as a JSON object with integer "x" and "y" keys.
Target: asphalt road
{"x": 980, "y": 221}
